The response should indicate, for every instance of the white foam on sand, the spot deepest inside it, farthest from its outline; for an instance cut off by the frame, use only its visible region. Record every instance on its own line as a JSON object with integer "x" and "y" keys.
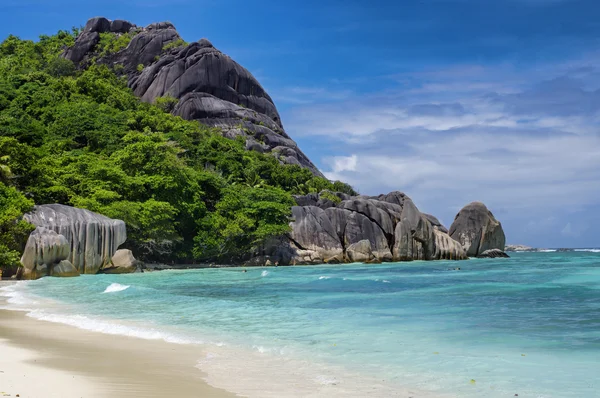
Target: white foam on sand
{"x": 110, "y": 327}
{"x": 115, "y": 287}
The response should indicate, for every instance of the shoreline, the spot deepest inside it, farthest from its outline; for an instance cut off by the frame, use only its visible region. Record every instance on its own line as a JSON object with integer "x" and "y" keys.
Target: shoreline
{"x": 117, "y": 365}
{"x": 44, "y": 359}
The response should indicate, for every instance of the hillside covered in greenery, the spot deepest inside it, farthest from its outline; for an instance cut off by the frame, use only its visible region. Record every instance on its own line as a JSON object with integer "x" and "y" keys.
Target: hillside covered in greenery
{"x": 81, "y": 138}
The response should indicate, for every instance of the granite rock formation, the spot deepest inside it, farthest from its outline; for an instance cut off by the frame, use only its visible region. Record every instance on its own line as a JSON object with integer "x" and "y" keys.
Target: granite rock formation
{"x": 493, "y": 253}
{"x": 44, "y": 250}
{"x": 477, "y": 230}
{"x": 87, "y": 240}
{"x": 360, "y": 229}
{"x": 520, "y": 248}
{"x": 64, "y": 269}
{"x": 210, "y": 86}
{"x": 122, "y": 262}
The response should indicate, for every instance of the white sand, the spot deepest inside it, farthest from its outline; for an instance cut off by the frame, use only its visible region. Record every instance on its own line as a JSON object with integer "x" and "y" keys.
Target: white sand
{"x": 22, "y": 376}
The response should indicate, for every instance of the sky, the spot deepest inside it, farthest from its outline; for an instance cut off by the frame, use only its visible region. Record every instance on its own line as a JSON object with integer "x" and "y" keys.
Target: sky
{"x": 449, "y": 101}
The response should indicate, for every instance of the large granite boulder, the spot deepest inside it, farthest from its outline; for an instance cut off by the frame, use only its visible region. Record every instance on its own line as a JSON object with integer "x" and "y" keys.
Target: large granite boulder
{"x": 44, "y": 249}
{"x": 64, "y": 269}
{"x": 314, "y": 237}
{"x": 477, "y": 230}
{"x": 91, "y": 238}
{"x": 414, "y": 239}
{"x": 359, "y": 229}
{"x": 447, "y": 248}
{"x": 360, "y": 252}
{"x": 122, "y": 262}
{"x": 353, "y": 227}
{"x": 208, "y": 85}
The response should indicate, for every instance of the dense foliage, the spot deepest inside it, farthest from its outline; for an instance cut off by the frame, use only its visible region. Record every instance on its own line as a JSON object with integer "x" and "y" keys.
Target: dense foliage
{"x": 81, "y": 138}
{"x": 13, "y": 230}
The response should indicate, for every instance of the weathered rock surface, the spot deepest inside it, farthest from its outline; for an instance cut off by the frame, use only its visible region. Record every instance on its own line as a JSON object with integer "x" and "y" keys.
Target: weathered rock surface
{"x": 314, "y": 237}
{"x": 360, "y": 252}
{"x": 44, "y": 249}
{"x": 493, "y": 253}
{"x": 360, "y": 229}
{"x": 477, "y": 230}
{"x": 64, "y": 269}
{"x": 122, "y": 262}
{"x": 210, "y": 86}
{"x": 91, "y": 238}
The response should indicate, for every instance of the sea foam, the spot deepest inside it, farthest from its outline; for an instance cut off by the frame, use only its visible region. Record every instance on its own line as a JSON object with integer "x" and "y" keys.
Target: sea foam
{"x": 115, "y": 287}
{"x": 109, "y": 327}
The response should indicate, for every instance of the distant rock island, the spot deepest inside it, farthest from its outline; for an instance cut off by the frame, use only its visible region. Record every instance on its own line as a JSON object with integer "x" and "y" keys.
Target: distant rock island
{"x": 520, "y": 248}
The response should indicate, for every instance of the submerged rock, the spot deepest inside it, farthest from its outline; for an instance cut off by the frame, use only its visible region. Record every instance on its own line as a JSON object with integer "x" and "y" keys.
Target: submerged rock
{"x": 493, "y": 253}
{"x": 477, "y": 230}
{"x": 91, "y": 238}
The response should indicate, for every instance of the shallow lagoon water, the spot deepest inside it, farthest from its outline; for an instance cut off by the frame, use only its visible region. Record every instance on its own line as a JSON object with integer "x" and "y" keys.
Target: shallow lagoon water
{"x": 528, "y": 325}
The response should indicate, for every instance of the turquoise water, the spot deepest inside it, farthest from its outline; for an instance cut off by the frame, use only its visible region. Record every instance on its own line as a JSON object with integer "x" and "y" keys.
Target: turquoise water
{"x": 529, "y": 325}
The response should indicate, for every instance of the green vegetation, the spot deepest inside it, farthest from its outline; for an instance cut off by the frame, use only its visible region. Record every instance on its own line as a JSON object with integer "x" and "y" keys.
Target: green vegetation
{"x": 166, "y": 103}
{"x": 174, "y": 44}
{"x": 13, "y": 230}
{"x": 81, "y": 138}
{"x": 330, "y": 196}
{"x": 111, "y": 43}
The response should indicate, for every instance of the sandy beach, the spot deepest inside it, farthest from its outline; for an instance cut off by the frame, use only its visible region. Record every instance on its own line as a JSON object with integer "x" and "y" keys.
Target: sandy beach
{"x": 42, "y": 359}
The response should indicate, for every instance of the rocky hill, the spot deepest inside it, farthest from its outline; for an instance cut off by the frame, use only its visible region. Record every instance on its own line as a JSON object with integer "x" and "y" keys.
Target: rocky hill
{"x": 112, "y": 176}
{"x": 207, "y": 85}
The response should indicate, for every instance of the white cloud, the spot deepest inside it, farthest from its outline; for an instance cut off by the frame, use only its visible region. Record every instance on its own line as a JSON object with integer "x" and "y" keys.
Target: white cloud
{"x": 531, "y": 151}
{"x": 340, "y": 164}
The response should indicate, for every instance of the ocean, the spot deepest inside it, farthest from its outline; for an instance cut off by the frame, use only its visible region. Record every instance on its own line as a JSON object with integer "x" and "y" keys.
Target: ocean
{"x": 528, "y": 325}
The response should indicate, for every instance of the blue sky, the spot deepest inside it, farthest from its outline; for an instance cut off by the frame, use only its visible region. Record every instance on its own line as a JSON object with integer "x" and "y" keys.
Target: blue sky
{"x": 449, "y": 101}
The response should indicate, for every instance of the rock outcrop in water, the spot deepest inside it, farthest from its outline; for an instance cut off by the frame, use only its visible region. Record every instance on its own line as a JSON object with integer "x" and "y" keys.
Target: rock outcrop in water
{"x": 493, "y": 253}
{"x": 362, "y": 228}
{"x": 87, "y": 240}
{"x": 477, "y": 230}
{"x": 210, "y": 86}
{"x": 520, "y": 248}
